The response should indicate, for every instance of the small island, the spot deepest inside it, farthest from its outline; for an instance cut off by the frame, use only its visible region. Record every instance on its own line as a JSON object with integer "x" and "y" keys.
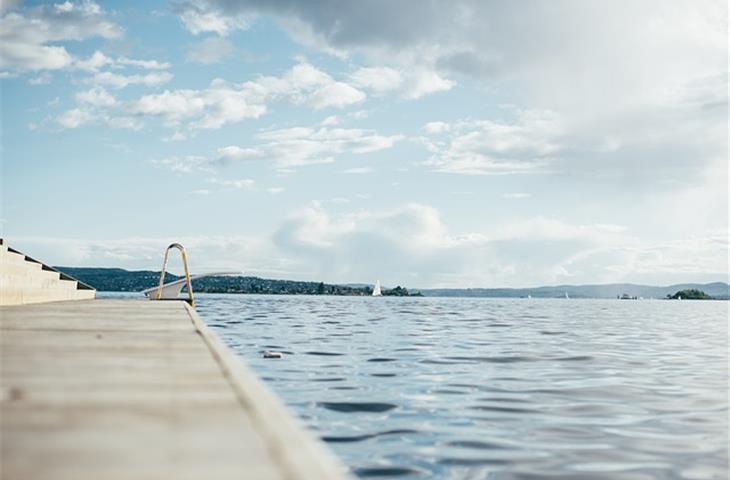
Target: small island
{"x": 690, "y": 294}
{"x": 400, "y": 292}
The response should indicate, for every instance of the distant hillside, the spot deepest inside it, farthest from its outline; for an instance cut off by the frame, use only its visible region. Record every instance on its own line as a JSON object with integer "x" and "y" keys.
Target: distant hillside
{"x": 119, "y": 280}
{"x": 613, "y": 290}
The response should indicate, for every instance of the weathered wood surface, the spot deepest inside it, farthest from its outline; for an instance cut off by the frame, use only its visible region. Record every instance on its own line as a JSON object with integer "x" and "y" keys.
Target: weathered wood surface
{"x": 112, "y": 389}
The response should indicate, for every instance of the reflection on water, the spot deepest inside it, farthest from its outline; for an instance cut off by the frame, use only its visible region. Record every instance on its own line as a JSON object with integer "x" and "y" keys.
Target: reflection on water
{"x": 496, "y": 388}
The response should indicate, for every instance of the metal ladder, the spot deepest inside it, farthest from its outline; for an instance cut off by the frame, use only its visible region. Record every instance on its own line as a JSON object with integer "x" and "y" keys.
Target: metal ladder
{"x": 184, "y": 255}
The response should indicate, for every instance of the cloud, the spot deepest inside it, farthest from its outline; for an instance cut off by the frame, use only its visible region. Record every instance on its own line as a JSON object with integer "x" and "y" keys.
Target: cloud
{"x": 299, "y": 146}
{"x": 97, "y": 97}
{"x": 486, "y": 147}
{"x": 94, "y": 105}
{"x": 377, "y": 79}
{"x": 425, "y": 82}
{"x": 304, "y": 84}
{"x": 27, "y": 35}
{"x": 146, "y": 64}
{"x": 184, "y": 164}
{"x": 434, "y": 128}
{"x": 211, "y": 50}
{"x": 199, "y": 17}
{"x": 74, "y": 118}
{"x": 233, "y": 153}
{"x": 117, "y": 80}
{"x": 98, "y": 60}
{"x": 211, "y": 108}
{"x": 224, "y": 102}
{"x": 289, "y": 148}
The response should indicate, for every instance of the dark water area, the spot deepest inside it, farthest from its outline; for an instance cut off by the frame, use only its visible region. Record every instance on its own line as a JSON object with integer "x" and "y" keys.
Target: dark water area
{"x": 459, "y": 388}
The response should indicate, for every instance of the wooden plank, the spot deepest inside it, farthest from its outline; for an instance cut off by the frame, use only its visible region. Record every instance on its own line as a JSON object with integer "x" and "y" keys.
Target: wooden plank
{"x": 119, "y": 389}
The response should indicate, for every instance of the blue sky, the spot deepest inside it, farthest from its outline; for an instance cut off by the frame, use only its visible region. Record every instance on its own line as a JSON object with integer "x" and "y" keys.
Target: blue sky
{"x": 461, "y": 143}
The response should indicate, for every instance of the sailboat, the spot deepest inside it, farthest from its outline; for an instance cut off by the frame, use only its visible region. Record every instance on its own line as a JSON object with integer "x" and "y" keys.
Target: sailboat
{"x": 376, "y": 289}
{"x": 566, "y": 295}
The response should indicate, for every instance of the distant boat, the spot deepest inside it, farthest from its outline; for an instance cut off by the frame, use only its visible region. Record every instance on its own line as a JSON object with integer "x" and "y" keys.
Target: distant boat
{"x": 376, "y": 289}
{"x": 566, "y": 295}
{"x": 529, "y": 296}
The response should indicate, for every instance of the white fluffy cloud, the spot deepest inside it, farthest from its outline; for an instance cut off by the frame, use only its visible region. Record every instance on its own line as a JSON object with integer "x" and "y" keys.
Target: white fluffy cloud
{"x": 97, "y": 97}
{"x": 74, "y": 118}
{"x": 213, "y": 107}
{"x": 299, "y": 146}
{"x": 224, "y": 102}
{"x": 198, "y": 17}
{"x": 378, "y": 79}
{"x": 184, "y": 164}
{"x": 485, "y": 147}
{"x": 304, "y": 84}
{"x": 98, "y": 60}
{"x": 94, "y": 106}
{"x": 27, "y": 36}
{"x": 233, "y": 153}
{"x": 409, "y": 83}
{"x": 289, "y": 148}
{"x": 118, "y": 80}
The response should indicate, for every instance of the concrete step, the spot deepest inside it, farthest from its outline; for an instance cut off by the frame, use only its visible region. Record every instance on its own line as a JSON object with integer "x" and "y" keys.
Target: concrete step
{"x": 35, "y": 282}
{"x": 22, "y": 271}
{"x": 24, "y": 295}
{"x": 13, "y": 258}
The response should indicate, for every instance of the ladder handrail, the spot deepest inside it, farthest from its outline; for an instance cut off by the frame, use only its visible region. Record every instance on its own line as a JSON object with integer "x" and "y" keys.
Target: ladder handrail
{"x": 184, "y": 255}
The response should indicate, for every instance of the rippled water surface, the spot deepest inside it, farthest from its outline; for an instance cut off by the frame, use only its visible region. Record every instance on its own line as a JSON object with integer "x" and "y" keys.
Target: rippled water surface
{"x": 496, "y": 388}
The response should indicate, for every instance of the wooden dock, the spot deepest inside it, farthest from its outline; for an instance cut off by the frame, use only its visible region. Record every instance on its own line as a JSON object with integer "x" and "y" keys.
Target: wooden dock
{"x": 133, "y": 389}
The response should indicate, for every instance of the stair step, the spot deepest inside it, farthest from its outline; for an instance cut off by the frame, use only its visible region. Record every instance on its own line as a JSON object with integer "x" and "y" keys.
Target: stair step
{"x": 12, "y": 281}
{"x": 22, "y": 271}
{"x": 12, "y": 258}
{"x": 20, "y": 296}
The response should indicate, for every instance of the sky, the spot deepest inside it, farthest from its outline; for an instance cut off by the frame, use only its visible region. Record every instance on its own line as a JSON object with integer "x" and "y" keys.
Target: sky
{"x": 422, "y": 143}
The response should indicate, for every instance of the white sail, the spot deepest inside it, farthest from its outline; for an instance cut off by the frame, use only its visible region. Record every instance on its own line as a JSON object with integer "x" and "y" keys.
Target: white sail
{"x": 376, "y": 289}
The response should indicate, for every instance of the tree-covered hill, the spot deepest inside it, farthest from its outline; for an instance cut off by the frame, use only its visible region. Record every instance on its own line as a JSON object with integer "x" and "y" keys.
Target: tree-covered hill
{"x": 120, "y": 280}
{"x": 690, "y": 294}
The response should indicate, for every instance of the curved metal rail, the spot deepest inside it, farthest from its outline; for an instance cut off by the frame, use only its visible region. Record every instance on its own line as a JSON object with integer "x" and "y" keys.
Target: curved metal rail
{"x": 184, "y": 255}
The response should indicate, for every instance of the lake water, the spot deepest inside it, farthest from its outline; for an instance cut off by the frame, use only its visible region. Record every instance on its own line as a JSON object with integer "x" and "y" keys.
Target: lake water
{"x": 496, "y": 388}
